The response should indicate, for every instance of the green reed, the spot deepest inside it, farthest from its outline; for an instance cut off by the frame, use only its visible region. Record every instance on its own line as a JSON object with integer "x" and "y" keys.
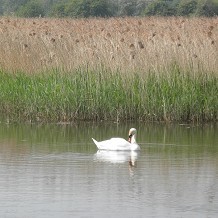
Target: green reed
{"x": 104, "y": 95}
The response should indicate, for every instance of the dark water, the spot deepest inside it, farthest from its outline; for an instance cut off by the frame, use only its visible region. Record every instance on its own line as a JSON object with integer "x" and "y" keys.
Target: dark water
{"x": 56, "y": 171}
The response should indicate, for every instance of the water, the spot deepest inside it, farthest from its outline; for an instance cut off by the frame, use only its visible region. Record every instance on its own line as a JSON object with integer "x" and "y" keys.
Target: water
{"x": 56, "y": 171}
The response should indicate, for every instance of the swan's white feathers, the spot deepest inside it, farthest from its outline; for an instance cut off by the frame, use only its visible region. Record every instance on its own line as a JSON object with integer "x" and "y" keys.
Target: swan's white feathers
{"x": 112, "y": 144}
{"x": 118, "y": 143}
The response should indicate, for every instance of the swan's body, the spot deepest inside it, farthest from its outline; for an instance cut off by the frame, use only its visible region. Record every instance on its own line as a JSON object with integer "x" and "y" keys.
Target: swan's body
{"x": 119, "y": 144}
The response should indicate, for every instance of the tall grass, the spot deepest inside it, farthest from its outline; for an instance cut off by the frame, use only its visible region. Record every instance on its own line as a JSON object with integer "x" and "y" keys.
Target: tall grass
{"x": 109, "y": 69}
{"x": 127, "y": 44}
{"x": 106, "y": 95}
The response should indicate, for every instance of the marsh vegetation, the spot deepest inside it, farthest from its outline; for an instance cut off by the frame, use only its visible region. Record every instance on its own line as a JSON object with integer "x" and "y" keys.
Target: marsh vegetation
{"x": 109, "y": 69}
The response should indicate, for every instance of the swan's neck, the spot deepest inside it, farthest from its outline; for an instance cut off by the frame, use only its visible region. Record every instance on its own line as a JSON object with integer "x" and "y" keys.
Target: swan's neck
{"x": 133, "y": 139}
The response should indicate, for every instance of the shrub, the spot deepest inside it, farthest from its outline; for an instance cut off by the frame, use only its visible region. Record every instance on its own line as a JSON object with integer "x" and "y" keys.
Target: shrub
{"x": 59, "y": 10}
{"x": 161, "y": 8}
{"x": 82, "y": 8}
{"x": 31, "y": 9}
{"x": 187, "y": 7}
{"x": 207, "y": 8}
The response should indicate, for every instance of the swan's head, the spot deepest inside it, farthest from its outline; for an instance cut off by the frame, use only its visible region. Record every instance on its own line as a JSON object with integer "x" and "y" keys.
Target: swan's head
{"x": 132, "y": 132}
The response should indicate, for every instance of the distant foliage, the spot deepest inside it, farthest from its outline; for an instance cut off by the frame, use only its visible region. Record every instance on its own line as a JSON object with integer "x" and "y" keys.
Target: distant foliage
{"x": 106, "y": 8}
{"x": 182, "y": 8}
{"x": 31, "y": 9}
{"x": 161, "y": 8}
{"x": 82, "y": 8}
{"x": 58, "y": 10}
{"x": 207, "y": 8}
{"x": 187, "y": 7}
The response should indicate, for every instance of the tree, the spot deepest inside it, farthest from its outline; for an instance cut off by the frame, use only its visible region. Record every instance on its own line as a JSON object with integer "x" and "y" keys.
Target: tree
{"x": 88, "y": 8}
{"x": 100, "y": 8}
{"x": 187, "y": 7}
{"x": 10, "y": 6}
{"x": 198, "y": 8}
{"x": 31, "y": 9}
{"x": 82, "y": 8}
{"x": 158, "y": 7}
{"x": 128, "y": 8}
{"x": 58, "y": 10}
{"x": 207, "y": 8}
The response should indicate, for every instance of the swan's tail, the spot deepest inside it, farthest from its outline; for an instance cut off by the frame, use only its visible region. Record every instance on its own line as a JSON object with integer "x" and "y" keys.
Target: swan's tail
{"x": 96, "y": 143}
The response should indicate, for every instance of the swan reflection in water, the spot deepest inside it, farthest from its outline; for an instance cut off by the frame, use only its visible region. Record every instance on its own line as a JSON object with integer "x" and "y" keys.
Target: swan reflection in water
{"x": 129, "y": 157}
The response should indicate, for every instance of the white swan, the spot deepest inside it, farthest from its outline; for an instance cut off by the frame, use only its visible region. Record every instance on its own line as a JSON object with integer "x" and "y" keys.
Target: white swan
{"x": 119, "y": 144}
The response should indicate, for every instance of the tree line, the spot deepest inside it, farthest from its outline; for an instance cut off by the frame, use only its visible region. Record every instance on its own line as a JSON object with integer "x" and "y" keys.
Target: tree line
{"x": 108, "y": 8}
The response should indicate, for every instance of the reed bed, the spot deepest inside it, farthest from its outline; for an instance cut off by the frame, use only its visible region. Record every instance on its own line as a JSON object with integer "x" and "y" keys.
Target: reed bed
{"x": 128, "y": 44}
{"x": 150, "y": 69}
{"x": 105, "y": 95}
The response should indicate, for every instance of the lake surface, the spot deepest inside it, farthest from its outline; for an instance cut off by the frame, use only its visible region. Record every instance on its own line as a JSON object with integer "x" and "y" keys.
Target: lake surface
{"x": 56, "y": 171}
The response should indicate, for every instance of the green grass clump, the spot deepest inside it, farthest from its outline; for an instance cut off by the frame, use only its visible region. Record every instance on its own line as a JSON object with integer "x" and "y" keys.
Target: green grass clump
{"x": 104, "y": 95}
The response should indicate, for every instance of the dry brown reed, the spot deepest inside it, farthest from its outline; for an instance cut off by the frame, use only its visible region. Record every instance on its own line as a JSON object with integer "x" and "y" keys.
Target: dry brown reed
{"x": 127, "y": 44}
